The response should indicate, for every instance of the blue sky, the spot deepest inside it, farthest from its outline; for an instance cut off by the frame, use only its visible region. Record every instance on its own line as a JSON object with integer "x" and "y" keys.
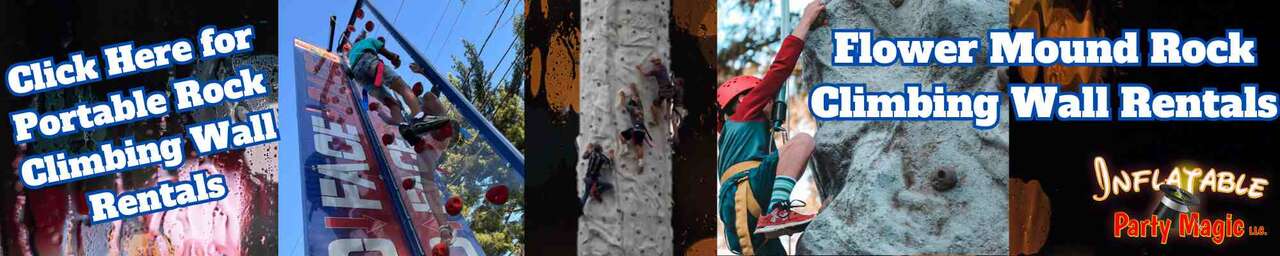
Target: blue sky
{"x": 435, "y": 27}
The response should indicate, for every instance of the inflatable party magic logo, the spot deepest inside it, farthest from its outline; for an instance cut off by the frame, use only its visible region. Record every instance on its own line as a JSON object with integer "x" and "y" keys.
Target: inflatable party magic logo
{"x": 1178, "y": 196}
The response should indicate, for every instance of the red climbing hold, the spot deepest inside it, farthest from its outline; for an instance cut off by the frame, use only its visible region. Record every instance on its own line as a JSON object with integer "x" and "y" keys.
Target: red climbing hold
{"x": 330, "y": 115}
{"x": 359, "y": 14}
{"x": 373, "y": 106}
{"x": 351, "y": 29}
{"x": 444, "y": 132}
{"x": 351, "y": 111}
{"x": 368, "y": 26}
{"x": 408, "y": 184}
{"x": 497, "y": 194}
{"x": 421, "y": 146}
{"x": 440, "y": 250}
{"x": 454, "y": 206}
{"x": 417, "y": 88}
{"x": 387, "y": 139}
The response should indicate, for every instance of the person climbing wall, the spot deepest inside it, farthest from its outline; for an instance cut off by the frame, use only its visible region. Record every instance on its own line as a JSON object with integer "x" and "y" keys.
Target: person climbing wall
{"x": 634, "y": 217}
{"x": 756, "y": 178}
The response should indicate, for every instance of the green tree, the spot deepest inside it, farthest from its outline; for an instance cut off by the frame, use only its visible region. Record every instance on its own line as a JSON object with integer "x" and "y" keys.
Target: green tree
{"x": 748, "y": 31}
{"x": 471, "y": 164}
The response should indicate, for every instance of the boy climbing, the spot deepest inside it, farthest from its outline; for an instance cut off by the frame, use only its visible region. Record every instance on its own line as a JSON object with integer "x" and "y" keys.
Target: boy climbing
{"x": 749, "y": 169}
{"x": 425, "y": 113}
{"x": 383, "y": 83}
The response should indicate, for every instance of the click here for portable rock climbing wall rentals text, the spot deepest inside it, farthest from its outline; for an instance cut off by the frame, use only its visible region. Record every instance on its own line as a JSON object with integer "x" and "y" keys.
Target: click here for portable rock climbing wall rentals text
{"x": 46, "y": 169}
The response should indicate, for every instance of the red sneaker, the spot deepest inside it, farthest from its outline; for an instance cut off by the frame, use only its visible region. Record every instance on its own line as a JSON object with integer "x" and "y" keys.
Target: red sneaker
{"x": 782, "y": 220}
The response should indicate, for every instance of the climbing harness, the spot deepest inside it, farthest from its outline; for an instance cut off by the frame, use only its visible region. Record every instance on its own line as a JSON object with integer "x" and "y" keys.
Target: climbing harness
{"x": 736, "y": 187}
{"x": 637, "y": 135}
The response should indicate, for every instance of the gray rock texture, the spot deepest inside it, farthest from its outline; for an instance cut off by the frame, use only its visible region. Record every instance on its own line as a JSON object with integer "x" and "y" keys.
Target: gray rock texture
{"x": 910, "y": 187}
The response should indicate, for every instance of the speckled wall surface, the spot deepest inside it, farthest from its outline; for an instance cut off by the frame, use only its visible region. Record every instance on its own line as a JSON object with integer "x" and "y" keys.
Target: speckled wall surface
{"x": 634, "y": 218}
{"x": 552, "y": 105}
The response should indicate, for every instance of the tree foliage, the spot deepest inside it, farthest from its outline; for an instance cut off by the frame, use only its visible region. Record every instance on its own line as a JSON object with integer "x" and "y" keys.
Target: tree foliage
{"x": 747, "y": 30}
{"x": 472, "y": 166}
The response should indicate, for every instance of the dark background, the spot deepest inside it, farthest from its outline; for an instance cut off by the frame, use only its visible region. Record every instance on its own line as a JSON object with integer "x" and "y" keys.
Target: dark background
{"x": 32, "y": 29}
{"x": 551, "y": 210}
{"x": 1060, "y": 154}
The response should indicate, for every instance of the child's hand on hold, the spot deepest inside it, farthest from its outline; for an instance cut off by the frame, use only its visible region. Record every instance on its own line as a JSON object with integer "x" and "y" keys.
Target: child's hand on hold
{"x": 813, "y": 9}
{"x": 811, "y": 13}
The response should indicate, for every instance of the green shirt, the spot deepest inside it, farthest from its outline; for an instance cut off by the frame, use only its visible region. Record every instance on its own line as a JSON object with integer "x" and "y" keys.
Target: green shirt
{"x": 367, "y": 44}
{"x": 741, "y": 141}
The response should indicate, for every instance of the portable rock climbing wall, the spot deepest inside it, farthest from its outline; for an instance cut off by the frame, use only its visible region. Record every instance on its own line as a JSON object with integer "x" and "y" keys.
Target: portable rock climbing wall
{"x": 360, "y": 192}
{"x": 634, "y": 217}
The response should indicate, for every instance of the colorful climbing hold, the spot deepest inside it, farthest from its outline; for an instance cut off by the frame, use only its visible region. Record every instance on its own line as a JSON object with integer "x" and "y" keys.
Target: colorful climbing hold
{"x": 387, "y": 139}
{"x": 497, "y": 194}
{"x": 421, "y": 146}
{"x": 440, "y": 250}
{"x": 454, "y": 206}
{"x": 444, "y": 132}
{"x": 408, "y": 184}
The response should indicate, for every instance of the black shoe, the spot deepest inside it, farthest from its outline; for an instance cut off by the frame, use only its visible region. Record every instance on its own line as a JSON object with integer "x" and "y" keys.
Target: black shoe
{"x": 422, "y": 124}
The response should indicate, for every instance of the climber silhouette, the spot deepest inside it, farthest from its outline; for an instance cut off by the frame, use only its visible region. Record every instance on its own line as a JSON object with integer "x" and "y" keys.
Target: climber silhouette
{"x": 382, "y": 82}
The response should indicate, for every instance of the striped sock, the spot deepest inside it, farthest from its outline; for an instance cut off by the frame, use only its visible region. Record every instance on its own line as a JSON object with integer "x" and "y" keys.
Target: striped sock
{"x": 782, "y": 186}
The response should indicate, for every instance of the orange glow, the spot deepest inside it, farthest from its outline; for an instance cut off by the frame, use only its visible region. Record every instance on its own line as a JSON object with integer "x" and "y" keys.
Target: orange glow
{"x": 1056, "y": 19}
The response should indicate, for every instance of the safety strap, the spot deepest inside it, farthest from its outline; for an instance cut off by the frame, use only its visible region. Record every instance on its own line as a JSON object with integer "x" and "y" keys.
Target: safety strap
{"x": 738, "y": 175}
{"x": 377, "y": 76}
{"x": 734, "y": 170}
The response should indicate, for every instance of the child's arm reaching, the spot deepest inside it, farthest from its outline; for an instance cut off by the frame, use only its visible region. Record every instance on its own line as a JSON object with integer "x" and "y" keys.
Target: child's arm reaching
{"x": 751, "y": 105}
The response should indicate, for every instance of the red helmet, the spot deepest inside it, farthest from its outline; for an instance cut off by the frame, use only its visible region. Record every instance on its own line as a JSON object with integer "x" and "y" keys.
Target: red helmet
{"x": 734, "y": 87}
